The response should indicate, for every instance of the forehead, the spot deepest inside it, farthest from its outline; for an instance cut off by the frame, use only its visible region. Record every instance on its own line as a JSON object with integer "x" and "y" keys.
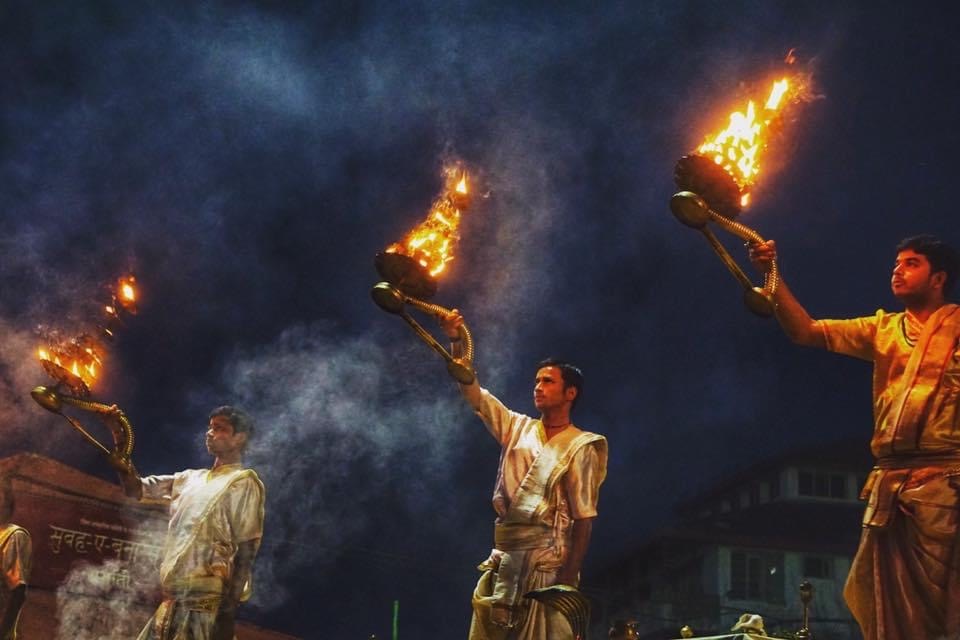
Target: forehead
{"x": 910, "y": 254}
{"x": 221, "y": 422}
{"x": 549, "y": 372}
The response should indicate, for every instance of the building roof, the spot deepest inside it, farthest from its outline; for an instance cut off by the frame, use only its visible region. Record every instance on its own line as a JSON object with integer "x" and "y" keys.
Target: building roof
{"x": 61, "y": 478}
{"x": 851, "y": 455}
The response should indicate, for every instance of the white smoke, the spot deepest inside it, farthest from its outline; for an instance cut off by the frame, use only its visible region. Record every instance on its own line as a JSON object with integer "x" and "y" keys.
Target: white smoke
{"x": 103, "y": 601}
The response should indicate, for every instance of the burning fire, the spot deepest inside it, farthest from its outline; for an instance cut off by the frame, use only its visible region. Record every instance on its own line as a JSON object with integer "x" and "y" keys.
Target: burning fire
{"x": 79, "y": 362}
{"x": 737, "y": 147}
{"x": 431, "y": 242}
{"x": 84, "y": 362}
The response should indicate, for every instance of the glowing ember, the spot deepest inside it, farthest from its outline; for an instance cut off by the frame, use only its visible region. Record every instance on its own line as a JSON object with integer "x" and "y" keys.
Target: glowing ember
{"x": 737, "y": 147}
{"x": 126, "y": 294}
{"x": 431, "y": 242}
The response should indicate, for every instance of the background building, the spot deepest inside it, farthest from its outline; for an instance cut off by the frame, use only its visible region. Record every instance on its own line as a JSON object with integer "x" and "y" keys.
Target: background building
{"x": 745, "y": 545}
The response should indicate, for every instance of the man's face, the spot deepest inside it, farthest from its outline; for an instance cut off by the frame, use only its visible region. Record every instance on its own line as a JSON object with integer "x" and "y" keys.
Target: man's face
{"x": 548, "y": 391}
{"x": 912, "y": 279}
{"x": 221, "y": 439}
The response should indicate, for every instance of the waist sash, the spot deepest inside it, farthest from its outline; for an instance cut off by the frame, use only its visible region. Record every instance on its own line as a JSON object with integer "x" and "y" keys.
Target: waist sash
{"x": 888, "y": 477}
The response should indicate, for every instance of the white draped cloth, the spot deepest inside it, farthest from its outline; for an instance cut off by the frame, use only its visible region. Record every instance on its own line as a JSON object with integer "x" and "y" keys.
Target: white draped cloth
{"x": 212, "y": 512}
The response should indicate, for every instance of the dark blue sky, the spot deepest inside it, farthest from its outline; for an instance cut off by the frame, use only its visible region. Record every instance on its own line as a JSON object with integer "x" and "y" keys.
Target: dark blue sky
{"x": 248, "y": 159}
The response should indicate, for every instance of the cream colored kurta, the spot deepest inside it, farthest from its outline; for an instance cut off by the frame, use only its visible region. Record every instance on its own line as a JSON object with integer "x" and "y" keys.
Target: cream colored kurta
{"x": 904, "y": 583}
{"x": 16, "y": 555}
{"x": 541, "y": 488}
{"x": 211, "y": 514}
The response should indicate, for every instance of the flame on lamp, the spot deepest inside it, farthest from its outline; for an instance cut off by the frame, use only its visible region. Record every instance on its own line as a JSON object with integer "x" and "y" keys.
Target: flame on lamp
{"x": 737, "y": 147}
{"x": 431, "y": 242}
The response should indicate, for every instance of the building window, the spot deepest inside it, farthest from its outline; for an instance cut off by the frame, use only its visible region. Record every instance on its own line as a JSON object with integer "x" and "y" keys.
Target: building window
{"x": 818, "y": 567}
{"x": 822, "y": 484}
{"x": 756, "y": 575}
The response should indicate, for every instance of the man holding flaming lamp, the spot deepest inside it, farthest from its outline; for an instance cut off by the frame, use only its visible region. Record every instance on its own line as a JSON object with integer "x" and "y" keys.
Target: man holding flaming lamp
{"x": 16, "y": 553}
{"x": 216, "y": 523}
{"x": 904, "y": 583}
{"x": 545, "y": 499}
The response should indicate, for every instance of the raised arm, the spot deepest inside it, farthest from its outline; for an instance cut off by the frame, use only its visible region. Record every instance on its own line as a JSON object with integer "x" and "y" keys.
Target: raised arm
{"x": 793, "y": 318}
{"x": 451, "y": 324}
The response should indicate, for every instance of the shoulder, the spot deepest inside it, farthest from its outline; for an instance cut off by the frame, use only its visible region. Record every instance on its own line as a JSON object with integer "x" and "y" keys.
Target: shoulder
{"x": 14, "y": 532}
{"x": 15, "y": 539}
{"x": 250, "y": 477}
{"x": 247, "y": 481}
{"x": 587, "y": 444}
{"x": 883, "y": 317}
{"x": 588, "y": 437}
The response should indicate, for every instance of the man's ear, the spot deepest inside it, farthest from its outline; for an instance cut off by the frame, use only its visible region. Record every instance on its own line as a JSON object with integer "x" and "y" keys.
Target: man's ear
{"x": 939, "y": 279}
{"x": 570, "y": 393}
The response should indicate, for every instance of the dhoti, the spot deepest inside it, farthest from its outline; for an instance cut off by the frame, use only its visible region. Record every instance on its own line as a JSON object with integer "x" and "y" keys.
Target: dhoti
{"x": 904, "y": 583}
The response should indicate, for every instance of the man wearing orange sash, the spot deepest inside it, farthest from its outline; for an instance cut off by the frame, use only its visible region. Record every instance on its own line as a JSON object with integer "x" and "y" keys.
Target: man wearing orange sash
{"x": 904, "y": 583}
{"x": 216, "y": 523}
{"x": 545, "y": 499}
{"x": 16, "y": 554}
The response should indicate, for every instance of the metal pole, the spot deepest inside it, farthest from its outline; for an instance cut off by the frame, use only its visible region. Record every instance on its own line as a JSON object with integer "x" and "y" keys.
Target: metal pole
{"x": 396, "y": 618}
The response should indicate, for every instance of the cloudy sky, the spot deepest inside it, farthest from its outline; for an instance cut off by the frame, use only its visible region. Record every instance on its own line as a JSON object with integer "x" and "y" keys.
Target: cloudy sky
{"x": 247, "y": 160}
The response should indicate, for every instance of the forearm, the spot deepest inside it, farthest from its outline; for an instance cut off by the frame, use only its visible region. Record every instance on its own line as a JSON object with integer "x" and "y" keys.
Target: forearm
{"x": 130, "y": 481}
{"x": 471, "y": 392}
{"x": 570, "y": 571}
{"x": 223, "y": 626}
{"x": 242, "y": 569}
{"x": 794, "y": 319}
{"x": 11, "y": 611}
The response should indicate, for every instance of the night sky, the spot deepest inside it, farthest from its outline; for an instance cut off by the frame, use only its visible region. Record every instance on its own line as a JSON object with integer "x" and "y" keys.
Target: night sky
{"x": 247, "y": 160}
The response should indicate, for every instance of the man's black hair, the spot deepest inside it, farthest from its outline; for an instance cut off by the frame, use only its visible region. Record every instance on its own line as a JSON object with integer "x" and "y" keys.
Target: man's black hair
{"x": 571, "y": 374}
{"x": 940, "y": 255}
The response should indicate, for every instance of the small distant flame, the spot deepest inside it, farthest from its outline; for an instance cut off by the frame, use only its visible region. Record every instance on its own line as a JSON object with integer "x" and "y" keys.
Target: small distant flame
{"x": 737, "y": 147}
{"x": 431, "y": 242}
{"x": 126, "y": 294}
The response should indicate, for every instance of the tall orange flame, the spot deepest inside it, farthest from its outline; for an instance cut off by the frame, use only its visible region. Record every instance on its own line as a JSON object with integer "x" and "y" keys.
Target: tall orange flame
{"x": 738, "y": 147}
{"x": 431, "y": 242}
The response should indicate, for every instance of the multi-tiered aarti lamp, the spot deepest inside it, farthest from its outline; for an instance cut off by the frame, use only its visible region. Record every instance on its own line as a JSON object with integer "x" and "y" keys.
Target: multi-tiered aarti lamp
{"x": 410, "y": 268}
{"x": 715, "y": 182}
{"x": 76, "y": 364}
